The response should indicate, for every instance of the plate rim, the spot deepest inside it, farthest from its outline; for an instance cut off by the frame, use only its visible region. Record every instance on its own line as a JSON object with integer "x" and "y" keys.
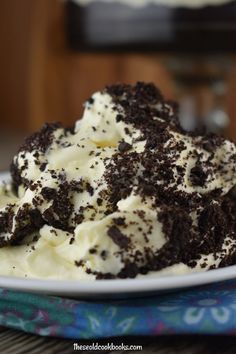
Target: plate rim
{"x": 119, "y": 286}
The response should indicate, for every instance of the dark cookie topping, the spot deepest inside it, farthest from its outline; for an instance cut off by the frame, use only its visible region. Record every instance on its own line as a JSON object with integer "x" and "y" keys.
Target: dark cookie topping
{"x": 41, "y": 140}
{"x": 196, "y": 214}
{"x": 117, "y": 236}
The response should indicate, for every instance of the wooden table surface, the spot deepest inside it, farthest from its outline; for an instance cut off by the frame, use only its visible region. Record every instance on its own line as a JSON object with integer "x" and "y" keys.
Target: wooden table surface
{"x": 16, "y": 342}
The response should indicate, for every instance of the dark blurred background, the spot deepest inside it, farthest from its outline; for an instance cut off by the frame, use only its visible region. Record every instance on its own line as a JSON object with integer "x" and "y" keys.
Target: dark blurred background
{"x": 55, "y": 53}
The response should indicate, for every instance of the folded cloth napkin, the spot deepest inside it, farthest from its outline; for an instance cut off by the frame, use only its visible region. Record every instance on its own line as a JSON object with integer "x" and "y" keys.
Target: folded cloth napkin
{"x": 208, "y": 309}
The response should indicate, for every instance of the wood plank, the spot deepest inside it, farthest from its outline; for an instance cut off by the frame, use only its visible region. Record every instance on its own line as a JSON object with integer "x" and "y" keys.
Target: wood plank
{"x": 14, "y": 39}
{"x": 230, "y": 101}
{"x": 89, "y": 73}
{"x": 47, "y": 67}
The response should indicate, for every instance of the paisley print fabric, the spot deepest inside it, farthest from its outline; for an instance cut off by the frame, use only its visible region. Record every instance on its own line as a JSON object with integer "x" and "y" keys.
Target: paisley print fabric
{"x": 208, "y": 309}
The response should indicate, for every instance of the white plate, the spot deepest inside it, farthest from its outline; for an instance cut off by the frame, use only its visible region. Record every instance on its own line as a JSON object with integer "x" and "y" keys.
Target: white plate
{"x": 115, "y": 288}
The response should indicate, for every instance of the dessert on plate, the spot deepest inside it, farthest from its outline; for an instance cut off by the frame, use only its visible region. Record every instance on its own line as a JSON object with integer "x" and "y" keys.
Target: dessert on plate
{"x": 126, "y": 193}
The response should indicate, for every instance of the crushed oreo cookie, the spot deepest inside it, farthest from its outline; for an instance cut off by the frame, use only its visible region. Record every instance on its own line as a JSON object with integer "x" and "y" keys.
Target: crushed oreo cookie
{"x": 41, "y": 140}
{"x": 118, "y": 237}
{"x": 195, "y": 213}
{"x": 123, "y": 146}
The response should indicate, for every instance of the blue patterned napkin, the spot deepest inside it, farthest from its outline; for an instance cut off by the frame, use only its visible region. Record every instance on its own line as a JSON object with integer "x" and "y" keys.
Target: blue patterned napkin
{"x": 209, "y": 309}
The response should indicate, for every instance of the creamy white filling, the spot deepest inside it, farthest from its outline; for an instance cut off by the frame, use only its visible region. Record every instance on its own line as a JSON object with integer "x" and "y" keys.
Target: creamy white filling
{"x": 85, "y": 155}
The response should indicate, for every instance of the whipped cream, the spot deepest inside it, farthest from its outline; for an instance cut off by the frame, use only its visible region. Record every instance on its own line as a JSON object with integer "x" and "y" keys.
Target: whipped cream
{"x": 124, "y": 193}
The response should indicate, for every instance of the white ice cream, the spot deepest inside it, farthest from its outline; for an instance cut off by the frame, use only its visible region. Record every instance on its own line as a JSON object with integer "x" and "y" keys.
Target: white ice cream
{"x": 84, "y": 156}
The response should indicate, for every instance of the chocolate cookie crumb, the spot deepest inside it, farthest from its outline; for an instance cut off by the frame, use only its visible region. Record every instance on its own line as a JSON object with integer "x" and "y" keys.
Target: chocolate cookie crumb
{"x": 123, "y": 146}
{"x": 118, "y": 237}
